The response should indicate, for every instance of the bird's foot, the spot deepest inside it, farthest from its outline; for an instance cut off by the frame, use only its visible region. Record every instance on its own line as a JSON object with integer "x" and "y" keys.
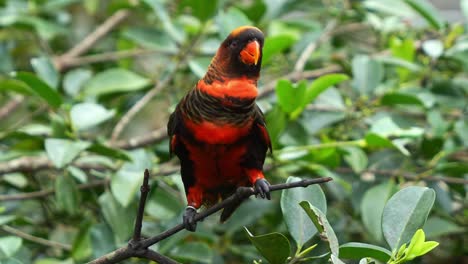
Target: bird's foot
{"x": 262, "y": 187}
{"x": 189, "y": 218}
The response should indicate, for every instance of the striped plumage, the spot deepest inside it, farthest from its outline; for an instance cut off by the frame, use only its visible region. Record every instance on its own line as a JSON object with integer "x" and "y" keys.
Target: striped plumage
{"x": 217, "y": 130}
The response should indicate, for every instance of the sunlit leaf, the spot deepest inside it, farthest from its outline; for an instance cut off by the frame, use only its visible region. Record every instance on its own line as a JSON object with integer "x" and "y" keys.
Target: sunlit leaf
{"x": 113, "y": 81}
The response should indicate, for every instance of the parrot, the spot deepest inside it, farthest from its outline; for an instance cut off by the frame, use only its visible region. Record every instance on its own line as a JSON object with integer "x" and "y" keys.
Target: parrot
{"x": 217, "y": 130}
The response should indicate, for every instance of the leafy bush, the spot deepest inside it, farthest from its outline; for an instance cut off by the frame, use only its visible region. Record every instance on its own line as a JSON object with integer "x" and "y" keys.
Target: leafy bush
{"x": 354, "y": 90}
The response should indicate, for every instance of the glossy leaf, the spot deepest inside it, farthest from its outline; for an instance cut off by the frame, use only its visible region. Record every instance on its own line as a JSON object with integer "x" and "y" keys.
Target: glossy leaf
{"x": 274, "y": 246}
{"x": 63, "y": 151}
{"x": 356, "y": 158}
{"x": 231, "y": 19}
{"x": 290, "y": 96}
{"x": 74, "y": 80}
{"x": 400, "y": 99}
{"x": 367, "y": 74}
{"x": 67, "y": 195}
{"x": 45, "y": 69}
{"x": 119, "y": 218}
{"x": 113, "y": 81}
{"x": 297, "y": 221}
{"x": 427, "y": 11}
{"x": 275, "y": 45}
{"x": 193, "y": 252}
{"x": 88, "y": 115}
{"x": 433, "y": 48}
{"x": 406, "y": 212}
{"x": 9, "y": 245}
{"x": 109, "y": 152}
{"x": 324, "y": 228}
{"x": 372, "y": 206}
{"x": 39, "y": 87}
{"x": 355, "y": 250}
{"x": 126, "y": 181}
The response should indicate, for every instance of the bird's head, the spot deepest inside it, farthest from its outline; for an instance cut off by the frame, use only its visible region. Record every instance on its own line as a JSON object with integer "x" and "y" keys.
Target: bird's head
{"x": 240, "y": 54}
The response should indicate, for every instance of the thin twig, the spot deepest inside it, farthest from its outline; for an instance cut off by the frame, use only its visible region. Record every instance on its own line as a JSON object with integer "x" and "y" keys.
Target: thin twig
{"x": 127, "y": 117}
{"x": 37, "y": 240}
{"x": 301, "y": 62}
{"x": 144, "y": 140}
{"x": 241, "y": 194}
{"x": 87, "y": 43}
{"x": 144, "y": 190}
{"x": 47, "y": 192}
{"x": 112, "y": 56}
{"x": 11, "y": 106}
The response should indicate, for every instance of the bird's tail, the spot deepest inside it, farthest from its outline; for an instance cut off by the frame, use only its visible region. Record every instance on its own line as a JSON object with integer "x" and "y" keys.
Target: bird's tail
{"x": 228, "y": 210}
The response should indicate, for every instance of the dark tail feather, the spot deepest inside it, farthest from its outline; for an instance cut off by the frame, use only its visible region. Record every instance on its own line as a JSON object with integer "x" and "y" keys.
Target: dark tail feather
{"x": 228, "y": 210}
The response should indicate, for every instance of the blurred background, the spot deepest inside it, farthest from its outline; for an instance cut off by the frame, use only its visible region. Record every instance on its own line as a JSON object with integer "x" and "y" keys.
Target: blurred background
{"x": 86, "y": 88}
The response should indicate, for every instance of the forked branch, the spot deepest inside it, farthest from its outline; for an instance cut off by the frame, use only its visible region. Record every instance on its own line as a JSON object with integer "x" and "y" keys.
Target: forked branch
{"x": 139, "y": 248}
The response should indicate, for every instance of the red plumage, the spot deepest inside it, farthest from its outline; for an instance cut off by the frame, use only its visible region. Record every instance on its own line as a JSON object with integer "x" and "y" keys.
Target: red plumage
{"x": 217, "y": 130}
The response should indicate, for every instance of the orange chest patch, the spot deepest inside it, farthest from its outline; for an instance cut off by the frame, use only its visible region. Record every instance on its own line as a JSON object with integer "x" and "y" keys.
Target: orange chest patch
{"x": 239, "y": 88}
{"x": 212, "y": 133}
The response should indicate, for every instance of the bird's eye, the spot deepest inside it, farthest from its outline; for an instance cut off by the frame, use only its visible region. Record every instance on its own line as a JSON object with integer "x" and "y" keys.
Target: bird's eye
{"x": 233, "y": 44}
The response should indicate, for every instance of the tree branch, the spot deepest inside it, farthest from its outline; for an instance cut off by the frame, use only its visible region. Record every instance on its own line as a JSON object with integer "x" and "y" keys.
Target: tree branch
{"x": 62, "y": 62}
{"x": 37, "y": 240}
{"x": 11, "y": 106}
{"x": 141, "y": 246}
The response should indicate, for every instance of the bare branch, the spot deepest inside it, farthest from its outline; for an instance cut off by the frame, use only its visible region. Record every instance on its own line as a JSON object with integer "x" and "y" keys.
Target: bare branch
{"x": 112, "y": 56}
{"x": 144, "y": 190}
{"x": 301, "y": 62}
{"x": 37, "y": 240}
{"x": 140, "y": 248}
{"x": 11, "y": 106}
{"x": 61, "y": 62}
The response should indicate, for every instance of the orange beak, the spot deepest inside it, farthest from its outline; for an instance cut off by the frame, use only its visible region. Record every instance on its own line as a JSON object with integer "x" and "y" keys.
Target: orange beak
{"x": 250, "y": 54}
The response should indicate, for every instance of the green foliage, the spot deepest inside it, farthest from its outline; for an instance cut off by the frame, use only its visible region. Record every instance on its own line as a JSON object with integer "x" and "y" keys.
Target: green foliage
{"x": 380, "y": 107}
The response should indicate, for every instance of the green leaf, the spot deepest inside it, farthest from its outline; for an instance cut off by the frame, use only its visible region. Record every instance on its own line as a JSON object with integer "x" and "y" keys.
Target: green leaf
{"x": 374, "y": 140}
{"x": 428, "y": 12}
{"x": 9, "y": 245}
{"x": 356, "y": 158}
{"x": 400, "y": 99}
{"x": 276, "y": 121}
{"x": 159, "y": 8}
{"x": 113, "y": 81}
{"x": 126, "y": 181}
{"x": 355, "y": 250}
{"x": 45, "y": 69}
{"x": 102, "y": 240}
{"x": 321, "y": 84}
{"x": 418, "y": 246}
{"x": 74, "y": 80}
{"x": 274, "y": 246}
{"x": 321, "y": 223}
{"x": 249, "y": 213}
{"x": 436, "y": 227}
{"x": 67, "y": 195}
{"x": 40, "y": 88}
{"x": 290, "y": 96}
{"x": 87, "y": 115}
{"x": 200, "y": 9}
{"x": 274, "y": 45}
{"x": 317, "y": 86}
{"x": 163, "y": 204}
{"x": 15, "y": 86}
{"x": 82, "y": 248}
{"x": 372, "y": 206}
{"x": 63, "y": 151}
{"x": 192, "y": 252}
{"x": 406, "y": 212}
{"x": 367, "y": 74}
{"x": 230, "y": 20}
{"x": 103, "y": 150}
{"x": 151, "y": 38}
{"x": 119, "y": 218}
{"x": 54, "y": 261}
{"x": 5, "y": 219}
{"x": 298, "y": 223}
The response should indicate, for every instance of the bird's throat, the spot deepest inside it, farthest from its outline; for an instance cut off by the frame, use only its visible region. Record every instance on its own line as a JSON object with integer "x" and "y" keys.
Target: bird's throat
{"x": 241, "y": 88}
